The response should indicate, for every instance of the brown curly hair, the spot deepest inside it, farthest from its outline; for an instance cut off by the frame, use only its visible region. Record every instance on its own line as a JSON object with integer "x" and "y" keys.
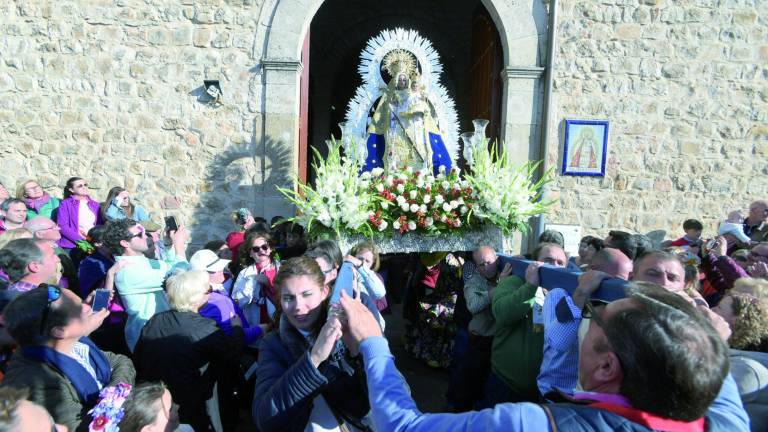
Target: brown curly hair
{"x": 750, "y": 321}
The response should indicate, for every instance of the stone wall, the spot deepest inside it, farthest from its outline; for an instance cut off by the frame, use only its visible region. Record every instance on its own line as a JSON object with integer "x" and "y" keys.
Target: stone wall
{"x": 684, "y": 84}
{"x": 112, "y": 91}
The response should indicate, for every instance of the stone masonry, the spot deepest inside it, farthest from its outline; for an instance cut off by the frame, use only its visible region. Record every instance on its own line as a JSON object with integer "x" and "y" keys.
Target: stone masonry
{"x": 111, "y": 90}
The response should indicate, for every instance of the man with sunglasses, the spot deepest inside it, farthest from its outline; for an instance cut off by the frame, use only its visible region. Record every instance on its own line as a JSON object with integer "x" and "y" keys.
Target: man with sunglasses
{"x": 28, "y": 263}
{"x": 62, "y": 369}
{"x": 140, "y": 282}
{"x": 648, "y": 362}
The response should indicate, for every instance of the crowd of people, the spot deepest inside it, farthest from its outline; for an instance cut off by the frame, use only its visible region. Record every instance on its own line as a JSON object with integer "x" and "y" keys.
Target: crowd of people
{"x": 108, "y": 320}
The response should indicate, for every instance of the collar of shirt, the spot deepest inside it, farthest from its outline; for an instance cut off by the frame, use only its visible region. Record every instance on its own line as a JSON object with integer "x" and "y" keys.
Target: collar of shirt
{"x": 22, "y": 286}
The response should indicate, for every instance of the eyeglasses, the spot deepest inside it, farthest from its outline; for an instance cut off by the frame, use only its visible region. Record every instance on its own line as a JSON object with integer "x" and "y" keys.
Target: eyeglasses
{"x": 589, "y": 312}
{"x": 264, "y": 247}
{"x": 138, "y": 234}
{"x": 54, "y": 293}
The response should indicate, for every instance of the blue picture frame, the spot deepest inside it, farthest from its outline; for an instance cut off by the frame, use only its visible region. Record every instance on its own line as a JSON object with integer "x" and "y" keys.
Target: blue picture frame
{"x": 585, "y": 148}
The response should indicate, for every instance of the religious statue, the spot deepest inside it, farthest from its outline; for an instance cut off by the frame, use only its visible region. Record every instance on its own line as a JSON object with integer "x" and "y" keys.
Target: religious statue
{"x": 409, "y": 121}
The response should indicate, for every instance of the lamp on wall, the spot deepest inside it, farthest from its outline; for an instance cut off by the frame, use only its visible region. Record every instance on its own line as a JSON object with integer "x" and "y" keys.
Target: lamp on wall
{"x": 213, "y": 89}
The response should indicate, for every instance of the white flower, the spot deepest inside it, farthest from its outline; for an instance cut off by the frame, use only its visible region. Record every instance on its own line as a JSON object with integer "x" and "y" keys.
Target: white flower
{"x": 400, "y": 199}
{"x": 400, "y": 188}
{"x": 423, "y": 208}
{"x": 380, "y": 187}
{"x": 365, "y": 176}
{"x": 324, "y": 217}
{"x": 440, "y": 177}
{"x": 389, "y": 180}
{"x": 420, "y": 182}
{"x": 454, "y": 203}
{"x": 413, "y": 194}
{"x": 445, "y": 185}
{"x": 457, "y": 186}
{"x": 463, "y": 209}
{"x": 441, "y": 169}
{"x": 414, "y": 208}
{"x": 409, "y": 170}
{"x": 404, "y": 206}
{"x": 460, "y": 200}
{"x": 430, "y": 179}
{"x": 464, "y": 184}
{"x": 411, "y": 226}
{"x": 427, "y": 185}
{"x": 447, "y": 207}
{"x": 377, "y": 171}
{"x": 396, "y": 225}
{"x": 383, "y": 225}
{"x": 458, "y": 223}
{"x": 439, "y": 199}
{"x": 427, "y": 199}
{"x": 429, "y": 221}
{"x": 443, "y": 218}
{"x": 385, "y": 205}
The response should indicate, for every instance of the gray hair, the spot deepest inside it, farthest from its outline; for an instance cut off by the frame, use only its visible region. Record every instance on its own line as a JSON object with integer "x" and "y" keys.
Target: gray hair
{"x": 16, "y": 256}
{"x": 186, "y": 289}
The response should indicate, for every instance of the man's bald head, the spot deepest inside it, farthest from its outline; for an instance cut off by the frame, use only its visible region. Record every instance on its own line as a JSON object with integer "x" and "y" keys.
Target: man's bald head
{"x": 486, "y": 261}
{"x": 613, "y": 262}
{"x": 43, "y": 228}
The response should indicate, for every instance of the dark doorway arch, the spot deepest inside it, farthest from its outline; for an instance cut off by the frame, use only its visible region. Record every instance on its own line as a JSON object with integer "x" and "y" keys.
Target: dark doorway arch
{"x": 340, "y": 29}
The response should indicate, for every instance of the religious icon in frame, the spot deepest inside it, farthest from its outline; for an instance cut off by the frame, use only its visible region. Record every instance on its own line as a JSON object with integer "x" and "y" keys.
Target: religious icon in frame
{"x": 586, "y": 147}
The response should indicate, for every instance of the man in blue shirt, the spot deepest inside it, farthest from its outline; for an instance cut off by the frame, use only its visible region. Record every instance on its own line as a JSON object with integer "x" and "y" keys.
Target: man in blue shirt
{"x": 649, "y": 361}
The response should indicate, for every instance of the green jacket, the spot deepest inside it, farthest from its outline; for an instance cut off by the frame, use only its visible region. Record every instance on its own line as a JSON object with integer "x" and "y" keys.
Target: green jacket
{"x": 51, "y": 389}
{"x": 517, "y": 350}
{"x": 47, "y": 210}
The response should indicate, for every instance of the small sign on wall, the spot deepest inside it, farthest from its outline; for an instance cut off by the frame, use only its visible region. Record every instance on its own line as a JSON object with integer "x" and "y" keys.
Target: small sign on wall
{"x": 571, "y": 236}
{"x": 586, "y": 147}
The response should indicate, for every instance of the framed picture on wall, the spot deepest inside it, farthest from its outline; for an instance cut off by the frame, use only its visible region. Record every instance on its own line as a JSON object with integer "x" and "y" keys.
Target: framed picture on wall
{"x": 586, "y": 147}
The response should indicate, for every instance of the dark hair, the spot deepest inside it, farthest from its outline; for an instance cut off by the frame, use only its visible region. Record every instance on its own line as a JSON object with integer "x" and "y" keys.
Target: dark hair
{"x": 275, "y": 220}
{"x": 142, "y": 406}
{"x": 7, "y": 203}
{"x": 260, "y": 220}
{"x": 624, "y": 242}
{"x": 214, "y": 245}
{"x": 24, "y": 314}
{"x": 552, "y": 236}
{"x": 331, "y": 250}
{"x": 10, "y": 398}
{"x": 692, "y": 224}
{"x": 16, "y": 256}
{"x": 96, "y": 234}
{"x": 536, "y": 252}
{"x": 368, "y": 246}
{"x": 643, "y": 244}
{"x": 111, "y": 195}
{"x": 116, "y": 231}
{"x": 300, "y": 266}
{"x": 593, "y": 241}
{"x": 244, "y": 255}
{"x": 70, "y": 184}
{"x": 663, "y": 332}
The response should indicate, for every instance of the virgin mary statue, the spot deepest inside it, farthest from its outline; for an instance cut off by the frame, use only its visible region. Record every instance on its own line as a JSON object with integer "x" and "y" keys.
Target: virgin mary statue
{"x": 403, "y": 131}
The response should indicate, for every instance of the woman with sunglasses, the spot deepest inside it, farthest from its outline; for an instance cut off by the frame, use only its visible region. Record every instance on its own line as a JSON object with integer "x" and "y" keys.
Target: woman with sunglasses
{"x": 186, "y": 350}
{"x": 254, "y": 289}
{"x": 77, "y": 213}
{"x": 38, "y": 201}
{"x": 307, "y": 379}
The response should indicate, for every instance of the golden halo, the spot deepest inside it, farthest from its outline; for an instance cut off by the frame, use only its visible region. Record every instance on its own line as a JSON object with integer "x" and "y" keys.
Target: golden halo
{"x": 399, "y": 60}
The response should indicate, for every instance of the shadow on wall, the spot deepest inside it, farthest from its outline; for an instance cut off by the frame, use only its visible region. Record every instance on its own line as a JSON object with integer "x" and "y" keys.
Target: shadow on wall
{"x": 240, "y": 176}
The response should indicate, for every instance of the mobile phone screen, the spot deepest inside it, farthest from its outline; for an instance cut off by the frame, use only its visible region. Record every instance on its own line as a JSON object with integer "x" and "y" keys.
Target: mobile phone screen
{"x": 100, "y": 300}
{"x": 170, "y": 223}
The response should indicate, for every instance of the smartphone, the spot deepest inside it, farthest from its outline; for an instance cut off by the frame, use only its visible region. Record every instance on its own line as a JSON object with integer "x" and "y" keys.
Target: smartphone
{"x": 170, "y": 224}
{"x": 100, "y": 300}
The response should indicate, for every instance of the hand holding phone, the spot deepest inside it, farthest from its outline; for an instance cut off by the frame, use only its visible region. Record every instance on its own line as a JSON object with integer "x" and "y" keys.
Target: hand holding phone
{"x": 171, "y": 224}
{"x": 100, "y": 300}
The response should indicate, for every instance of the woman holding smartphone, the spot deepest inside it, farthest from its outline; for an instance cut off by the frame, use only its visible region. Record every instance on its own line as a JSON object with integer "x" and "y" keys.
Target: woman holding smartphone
{"x": 307, "y": 380}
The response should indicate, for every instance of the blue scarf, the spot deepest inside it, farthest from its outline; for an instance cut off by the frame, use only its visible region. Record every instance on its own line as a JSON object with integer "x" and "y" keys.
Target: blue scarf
{"x": 86, "y": 387}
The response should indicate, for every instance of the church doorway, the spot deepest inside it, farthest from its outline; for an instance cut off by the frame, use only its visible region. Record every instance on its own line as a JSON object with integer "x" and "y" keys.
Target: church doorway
{"x": 461, "y": 31}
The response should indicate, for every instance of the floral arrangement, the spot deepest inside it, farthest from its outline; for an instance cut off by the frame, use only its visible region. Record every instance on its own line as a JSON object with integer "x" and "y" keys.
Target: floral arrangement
{"x": 407, "y": 200}
{"x": 506, "y": 192}
{"x": 108, "y": 413}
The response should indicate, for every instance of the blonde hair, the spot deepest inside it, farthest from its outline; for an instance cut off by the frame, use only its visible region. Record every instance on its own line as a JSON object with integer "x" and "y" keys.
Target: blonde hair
{"x": 21, "y": 188}
{"x": 755, "y": 286}
{"x": 186, "y": 290}
{"x": 751, "y": 321}
{"x": 14, "y": 234}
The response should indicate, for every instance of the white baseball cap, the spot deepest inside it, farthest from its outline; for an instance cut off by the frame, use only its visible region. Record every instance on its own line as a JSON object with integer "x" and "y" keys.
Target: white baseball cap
{"x": 207, "y": 260}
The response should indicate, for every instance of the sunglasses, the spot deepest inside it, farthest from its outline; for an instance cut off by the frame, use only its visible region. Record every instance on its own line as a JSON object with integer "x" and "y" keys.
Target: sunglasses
{"x": 264, "y": 247}
{"x": 54, "y": 293}
{"x": 138, "y": 234}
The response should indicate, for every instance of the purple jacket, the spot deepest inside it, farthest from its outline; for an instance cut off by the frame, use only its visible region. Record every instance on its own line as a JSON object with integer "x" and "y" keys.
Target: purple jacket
{"x": 721, "y": 272}
{"x": 220, "y": 308}
{"x": 66, "y": 218}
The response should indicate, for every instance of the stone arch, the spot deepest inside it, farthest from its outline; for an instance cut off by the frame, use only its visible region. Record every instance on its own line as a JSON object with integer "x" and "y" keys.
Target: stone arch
{"x": 522, "y": 28}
